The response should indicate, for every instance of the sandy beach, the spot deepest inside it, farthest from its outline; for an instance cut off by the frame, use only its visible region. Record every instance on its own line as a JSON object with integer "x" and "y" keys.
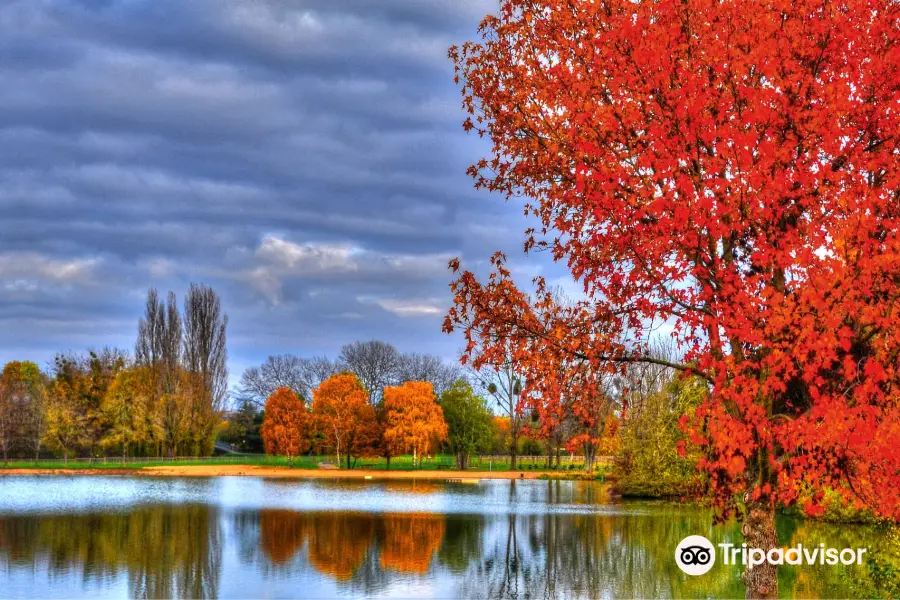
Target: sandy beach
{"x": 284, "y": 472}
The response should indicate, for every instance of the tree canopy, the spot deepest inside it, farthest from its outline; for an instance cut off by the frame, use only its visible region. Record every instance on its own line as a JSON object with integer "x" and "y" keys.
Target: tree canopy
{"x": 728, "y": 169}
{"x": 470, "y": 424}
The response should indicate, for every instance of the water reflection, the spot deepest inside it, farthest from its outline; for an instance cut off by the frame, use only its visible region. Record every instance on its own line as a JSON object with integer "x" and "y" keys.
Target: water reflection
{"x": 162, "y": 551}
{"x": 580, "y": 545}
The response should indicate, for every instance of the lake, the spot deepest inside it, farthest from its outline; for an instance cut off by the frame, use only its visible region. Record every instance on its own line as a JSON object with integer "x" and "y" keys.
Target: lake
{"x": 240, "y": 537}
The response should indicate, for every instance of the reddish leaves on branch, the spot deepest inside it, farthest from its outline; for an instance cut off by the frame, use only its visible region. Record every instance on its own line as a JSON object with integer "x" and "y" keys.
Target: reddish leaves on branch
{"x": 729, "y": 169}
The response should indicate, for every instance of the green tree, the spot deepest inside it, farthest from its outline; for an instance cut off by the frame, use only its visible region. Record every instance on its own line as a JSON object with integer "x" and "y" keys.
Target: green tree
{"x": 470, "y": 422}
{"x": 655, "y": 458}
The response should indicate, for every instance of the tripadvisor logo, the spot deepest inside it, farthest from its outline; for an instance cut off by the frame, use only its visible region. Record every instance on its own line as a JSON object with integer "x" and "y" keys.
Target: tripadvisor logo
{"x": 695, "y": 555}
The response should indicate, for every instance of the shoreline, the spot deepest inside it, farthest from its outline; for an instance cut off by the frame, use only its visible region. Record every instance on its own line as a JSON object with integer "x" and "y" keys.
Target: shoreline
{"x": 279, "y": 472}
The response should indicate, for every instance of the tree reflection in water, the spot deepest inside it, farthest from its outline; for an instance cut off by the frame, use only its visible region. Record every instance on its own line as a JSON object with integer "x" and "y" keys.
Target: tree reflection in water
{"x": 547, "y": 540}
{"x": 165, "y": 551}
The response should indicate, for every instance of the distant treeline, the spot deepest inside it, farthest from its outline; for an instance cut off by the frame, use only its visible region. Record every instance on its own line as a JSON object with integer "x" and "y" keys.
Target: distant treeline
{"x": 166, "y": 400}
{"x": 170, "y": 397}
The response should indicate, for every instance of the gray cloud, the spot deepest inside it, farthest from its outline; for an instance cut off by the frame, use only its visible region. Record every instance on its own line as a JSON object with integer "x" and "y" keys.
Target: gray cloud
{"x": 305, "y": 158}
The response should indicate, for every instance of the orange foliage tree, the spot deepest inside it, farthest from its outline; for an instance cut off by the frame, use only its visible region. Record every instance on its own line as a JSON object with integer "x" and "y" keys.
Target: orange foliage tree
{"x": 730, "y": 169}
{"x": 284, "y": 429}
{"x": 414, "y": 422}
{"x": 342, "y": 412}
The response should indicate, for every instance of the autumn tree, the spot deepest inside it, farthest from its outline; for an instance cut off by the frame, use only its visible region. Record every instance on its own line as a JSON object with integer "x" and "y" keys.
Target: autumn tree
{"x": 342, "y": 412}
{"x": 470, "y": 423}
{"x": 415, "y": 423}
{"x": 284, "y": 429}
{"x": 66, "y": 419}
{"x": 586, "y": 400}
{"x": 75, "y": 416}
{"x": 730, "y": 169}
{"x": 22, "y": 406}
{"x": 127, "y": 403}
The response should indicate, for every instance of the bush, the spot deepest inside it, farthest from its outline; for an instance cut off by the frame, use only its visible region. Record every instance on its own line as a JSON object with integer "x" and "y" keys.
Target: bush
{"x": 648, "y": 463}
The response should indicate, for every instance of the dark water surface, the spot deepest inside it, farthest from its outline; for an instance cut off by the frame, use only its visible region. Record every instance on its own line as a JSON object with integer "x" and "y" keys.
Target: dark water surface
{"x": 242, "y": 537}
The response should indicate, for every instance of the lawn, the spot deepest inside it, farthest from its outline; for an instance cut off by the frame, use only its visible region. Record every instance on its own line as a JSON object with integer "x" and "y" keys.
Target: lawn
{"x": 399, "y": 463}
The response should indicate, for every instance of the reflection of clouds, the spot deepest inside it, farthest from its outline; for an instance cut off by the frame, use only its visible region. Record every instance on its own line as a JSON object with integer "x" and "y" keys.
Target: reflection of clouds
{"x": 209, "y": 540}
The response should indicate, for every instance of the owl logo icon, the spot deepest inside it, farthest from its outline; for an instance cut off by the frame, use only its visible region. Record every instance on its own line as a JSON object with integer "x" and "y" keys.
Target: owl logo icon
{"x": 695, "y": 555}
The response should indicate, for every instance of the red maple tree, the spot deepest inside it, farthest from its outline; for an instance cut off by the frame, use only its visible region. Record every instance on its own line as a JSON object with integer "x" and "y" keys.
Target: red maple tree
{"x": 728, "y": 169}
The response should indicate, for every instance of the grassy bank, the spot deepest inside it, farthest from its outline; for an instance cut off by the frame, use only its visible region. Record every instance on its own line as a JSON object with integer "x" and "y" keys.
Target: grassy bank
{"x": 401, "y": 463}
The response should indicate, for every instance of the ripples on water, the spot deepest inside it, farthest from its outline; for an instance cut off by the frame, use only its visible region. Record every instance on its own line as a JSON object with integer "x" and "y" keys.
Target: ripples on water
{"x": 239, "y": 537}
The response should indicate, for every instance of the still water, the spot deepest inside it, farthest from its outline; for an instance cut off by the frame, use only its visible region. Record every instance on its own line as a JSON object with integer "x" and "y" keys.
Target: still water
{"x": 242, "y": 537}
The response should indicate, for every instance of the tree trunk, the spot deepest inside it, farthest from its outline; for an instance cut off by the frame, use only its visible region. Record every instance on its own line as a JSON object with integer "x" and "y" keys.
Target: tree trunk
{"x": 589, "y": 458}
{"x": 759, "y": 532}
{"x": 388, "y": 462}
{"x": 462, "y": 461}
{"x": 514, "y": 448}
{"x": 348, "y": 460}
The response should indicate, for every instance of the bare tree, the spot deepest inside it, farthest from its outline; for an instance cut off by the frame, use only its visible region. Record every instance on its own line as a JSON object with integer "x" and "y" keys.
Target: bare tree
{"x": 159, "y": 342}
{"x": 10, "y": 416}
{"x": 375, "y": 363}
{"x": 37, "y": 415}
{"x": 425, "y": 367}
{"x": 503, "y": 386}
{"x": 301, "y": 375}
{"x": 316, "y": 370}
{"x": 205, "y": 352}
{"x": 281, "y": 370}
{"x": 643, "y": 380}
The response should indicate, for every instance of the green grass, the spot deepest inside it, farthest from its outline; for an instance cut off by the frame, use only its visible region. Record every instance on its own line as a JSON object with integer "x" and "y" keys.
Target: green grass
{"x": 399, "y": 463}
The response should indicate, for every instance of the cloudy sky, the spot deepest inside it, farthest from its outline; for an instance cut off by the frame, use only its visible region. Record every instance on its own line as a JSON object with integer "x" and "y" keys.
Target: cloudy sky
{"x": 303, "y": 157}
